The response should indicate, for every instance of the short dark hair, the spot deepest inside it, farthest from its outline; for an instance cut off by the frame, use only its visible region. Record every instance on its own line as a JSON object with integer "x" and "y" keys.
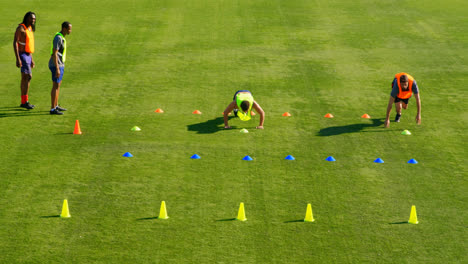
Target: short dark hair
{"x": 245, "y": 106}
{"x": 404, "y": 78}
{"x": 26, "y": 16}
{"x": 66, "y": 25}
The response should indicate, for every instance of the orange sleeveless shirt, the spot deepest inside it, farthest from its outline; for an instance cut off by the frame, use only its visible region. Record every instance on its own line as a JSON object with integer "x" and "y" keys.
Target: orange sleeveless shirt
{"x": 29, "y": 45}
{"x": 405, "y": 94}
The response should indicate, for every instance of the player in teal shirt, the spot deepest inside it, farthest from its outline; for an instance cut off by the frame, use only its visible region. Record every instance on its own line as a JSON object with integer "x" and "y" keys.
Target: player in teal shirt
{"x": 57, "y": 66}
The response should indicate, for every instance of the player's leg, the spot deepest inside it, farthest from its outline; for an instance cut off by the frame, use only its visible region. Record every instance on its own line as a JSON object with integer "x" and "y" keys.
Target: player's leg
{"x": 398, "y": 110}
{"x": 26, "y": 76}
{"x": 25, "y": 82}
{"x": 404, "y": 104}
{"x": 54, "y": 93}
{"x": 62, "y": 70}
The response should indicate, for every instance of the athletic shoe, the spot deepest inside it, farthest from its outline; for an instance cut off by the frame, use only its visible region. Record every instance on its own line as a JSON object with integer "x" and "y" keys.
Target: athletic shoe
{"x": 60, "y": 108}
{"x": 397, "y": 118}
{"x": 55, "y": 112}
{"x": 235, "y": 111}
{"x": 27, "y": 105}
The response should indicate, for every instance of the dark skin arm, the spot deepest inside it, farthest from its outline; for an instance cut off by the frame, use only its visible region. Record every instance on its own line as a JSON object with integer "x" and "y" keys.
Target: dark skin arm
{"x": 55, "y": 60}
{"x": 19, "y": 34}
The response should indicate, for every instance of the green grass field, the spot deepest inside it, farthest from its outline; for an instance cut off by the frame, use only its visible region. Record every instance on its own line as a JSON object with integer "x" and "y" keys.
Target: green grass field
{"x": 127, "y": 58}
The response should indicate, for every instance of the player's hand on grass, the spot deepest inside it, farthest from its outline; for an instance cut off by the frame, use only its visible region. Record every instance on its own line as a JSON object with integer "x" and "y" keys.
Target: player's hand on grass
{"x": 227, "y": 127}
{"x": 418, "y": 119}
{"x": 387, "y": 123}
{"x": 260, "y": 127}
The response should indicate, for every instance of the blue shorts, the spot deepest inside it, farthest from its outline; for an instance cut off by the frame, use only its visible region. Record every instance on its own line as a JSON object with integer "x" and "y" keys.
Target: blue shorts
{"x": 240, "y": 91}
{"x": 54, "y": 78}
{"x": 26, "y": 60}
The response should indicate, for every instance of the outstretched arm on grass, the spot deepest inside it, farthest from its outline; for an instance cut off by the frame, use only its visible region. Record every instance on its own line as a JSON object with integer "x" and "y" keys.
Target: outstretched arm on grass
{"x": 418, "y": 103}
{"x": 389, "y": 109}
{"x": 226, "y": 112}
{"x": 260, "y": 111}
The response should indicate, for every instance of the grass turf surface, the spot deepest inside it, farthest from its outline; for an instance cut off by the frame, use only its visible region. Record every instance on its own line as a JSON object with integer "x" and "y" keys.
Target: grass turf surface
{"x": 127, "y": 58}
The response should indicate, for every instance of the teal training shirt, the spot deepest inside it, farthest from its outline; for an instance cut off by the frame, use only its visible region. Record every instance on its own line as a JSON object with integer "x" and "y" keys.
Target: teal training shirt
{"x": 59, "y": 45}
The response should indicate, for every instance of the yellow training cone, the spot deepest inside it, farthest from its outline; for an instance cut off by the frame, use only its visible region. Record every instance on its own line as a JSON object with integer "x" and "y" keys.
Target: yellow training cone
{"x": 413, "y": 219}
{"x": 241, "y": 214}
{"x": 309, "y": 217}
{"x": 65, "y": 213}
{"x": 162, "y": 211}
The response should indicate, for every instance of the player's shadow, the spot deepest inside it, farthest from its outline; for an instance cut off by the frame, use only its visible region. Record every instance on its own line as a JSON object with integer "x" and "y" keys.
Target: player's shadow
{"x": 209, "y": 126}
{"x": 17, "y": 112}
{"x": 353, "y": 128}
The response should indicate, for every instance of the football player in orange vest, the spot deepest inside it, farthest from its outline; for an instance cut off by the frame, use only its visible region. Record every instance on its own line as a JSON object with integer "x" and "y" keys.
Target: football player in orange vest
{"x": 403, "y": 87}
{"x": 23, "y": 45}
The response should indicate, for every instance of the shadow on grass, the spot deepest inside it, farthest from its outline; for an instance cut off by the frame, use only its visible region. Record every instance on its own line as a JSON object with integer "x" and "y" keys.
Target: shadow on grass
{"x": 147, "y": 218}
{"x": 398, "y": 223}
{"x": 18, "y": 111}
{"x": 50, "y": 216}
{"x": 209, "y": 126}
{"x": 225, "y": 220}
{"x": 295, "y": 221}
{"x": 353, "y": 128}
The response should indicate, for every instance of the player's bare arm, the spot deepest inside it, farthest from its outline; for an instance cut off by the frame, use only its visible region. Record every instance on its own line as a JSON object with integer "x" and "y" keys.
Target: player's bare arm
{"x": 418, "y": 104}
{"x": 55, "y": 60}
{"x": 20, "y": 36}
{"x": 228, "y": 109}
{"x": 260, "y": 111}
{"x": 389, "y": 109}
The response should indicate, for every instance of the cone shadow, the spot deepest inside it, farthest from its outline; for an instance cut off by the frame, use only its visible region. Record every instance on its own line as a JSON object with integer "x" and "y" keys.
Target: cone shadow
{"x": 225, "y": 220}
{"x": 398, "y": 223}
{"x": 147, "y": 218}
{"x": 294, "y": 221}
{"x": 50, "y": 216}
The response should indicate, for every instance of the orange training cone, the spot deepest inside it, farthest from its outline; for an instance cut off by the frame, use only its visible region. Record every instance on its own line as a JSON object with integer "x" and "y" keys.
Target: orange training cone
{"x": 365, "y": 116}
{"x": 77, "y": 130}
{"x": 159, "y": 110}
{"x": 223, "y": 113}
{"x": 196, "y": 112}
{"x": 329, "y": 115}
{"x": 286, "y": 114}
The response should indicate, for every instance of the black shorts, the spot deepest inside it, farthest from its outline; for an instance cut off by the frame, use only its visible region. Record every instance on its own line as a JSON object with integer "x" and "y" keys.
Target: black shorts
{"x": 401, "y": 100}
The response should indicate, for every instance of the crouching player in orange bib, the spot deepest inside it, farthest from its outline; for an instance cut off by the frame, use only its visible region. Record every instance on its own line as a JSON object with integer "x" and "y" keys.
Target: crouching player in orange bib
{"x": 242, "y": 105}
{"x": 403, "y": 87}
